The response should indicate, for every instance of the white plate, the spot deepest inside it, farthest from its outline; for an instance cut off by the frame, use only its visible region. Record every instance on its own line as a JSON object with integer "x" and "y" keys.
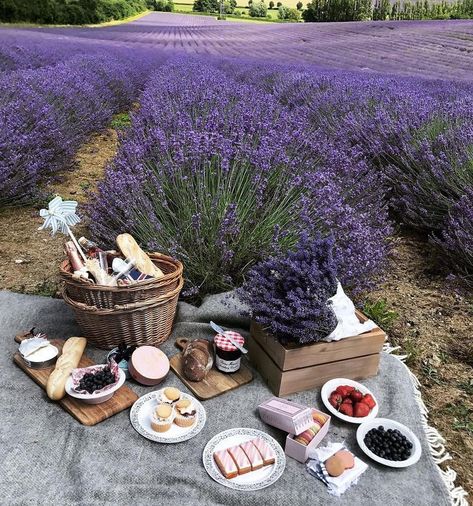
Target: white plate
{"x": 140, "y": 416}
{"x": 95, "y": 398}
{"x": 253, "y": 480}
{"x": 389, "y": 424}
{"x": 332, "y": 385}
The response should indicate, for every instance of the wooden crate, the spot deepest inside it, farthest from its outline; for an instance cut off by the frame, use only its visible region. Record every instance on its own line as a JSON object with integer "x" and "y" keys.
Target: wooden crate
{"x": 293, "y": 368}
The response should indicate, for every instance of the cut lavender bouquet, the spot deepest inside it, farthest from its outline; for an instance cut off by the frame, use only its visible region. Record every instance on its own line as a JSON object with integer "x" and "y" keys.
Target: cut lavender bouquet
{"x": 289, "y": 294}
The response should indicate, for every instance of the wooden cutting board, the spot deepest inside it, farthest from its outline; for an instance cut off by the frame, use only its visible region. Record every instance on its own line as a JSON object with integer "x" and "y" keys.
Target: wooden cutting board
{"x": 215, "y": 383}
{"x": 87, "y": 414}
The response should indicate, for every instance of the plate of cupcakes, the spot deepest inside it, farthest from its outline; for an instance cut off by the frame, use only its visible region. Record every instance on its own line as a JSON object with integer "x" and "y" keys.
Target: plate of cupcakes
{"x": 244, "y": 459}
{"x": 168, "y": 416}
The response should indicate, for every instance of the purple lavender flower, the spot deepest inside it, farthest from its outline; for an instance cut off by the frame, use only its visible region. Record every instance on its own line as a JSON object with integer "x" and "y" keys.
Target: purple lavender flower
{"x": 288, "y": 294}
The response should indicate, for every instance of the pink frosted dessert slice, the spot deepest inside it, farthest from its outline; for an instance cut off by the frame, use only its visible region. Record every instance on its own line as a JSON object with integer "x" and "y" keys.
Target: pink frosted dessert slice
{"x": 267, "y": 453}
{"x": 254, "y": 456}
{"x": 226, "y": 464}
{"x": 240, "y": 458}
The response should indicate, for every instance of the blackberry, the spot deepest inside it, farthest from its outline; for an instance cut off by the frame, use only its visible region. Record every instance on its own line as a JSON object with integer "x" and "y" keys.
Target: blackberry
{"x": 91, "y": 382}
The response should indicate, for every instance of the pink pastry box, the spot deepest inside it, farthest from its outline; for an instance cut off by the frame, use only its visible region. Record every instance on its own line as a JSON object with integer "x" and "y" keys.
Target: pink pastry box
{"x": 295, "y": 419}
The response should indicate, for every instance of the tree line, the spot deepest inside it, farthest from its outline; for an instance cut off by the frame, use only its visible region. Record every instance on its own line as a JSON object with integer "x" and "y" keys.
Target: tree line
{"x": 364, "y": 10}
{"x": 68, "y": 12}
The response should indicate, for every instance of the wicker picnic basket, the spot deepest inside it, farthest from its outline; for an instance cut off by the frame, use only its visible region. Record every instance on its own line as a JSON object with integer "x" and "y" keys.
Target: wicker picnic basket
{"x": 137, "y": 323}
{"x": 107, "y": 297}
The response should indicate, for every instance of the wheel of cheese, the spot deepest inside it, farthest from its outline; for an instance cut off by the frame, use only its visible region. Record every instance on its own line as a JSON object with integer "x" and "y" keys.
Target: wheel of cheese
{"x": 148, "y": 365}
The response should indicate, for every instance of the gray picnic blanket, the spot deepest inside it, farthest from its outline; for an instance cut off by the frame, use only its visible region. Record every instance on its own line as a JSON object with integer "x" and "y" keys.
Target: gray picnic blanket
{"x": 47, "y": 457}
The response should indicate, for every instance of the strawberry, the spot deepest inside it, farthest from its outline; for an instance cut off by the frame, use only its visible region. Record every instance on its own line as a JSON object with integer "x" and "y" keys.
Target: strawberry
{"x": 356, "y": 396}
{"x": 360, "y": 410}
{"x": 346, "y": 409}
{"x": 369, "y": 401}
{"x": 347, "y": 401}
{"x": 335, "y": 399}
{"x": 344, "y": 390}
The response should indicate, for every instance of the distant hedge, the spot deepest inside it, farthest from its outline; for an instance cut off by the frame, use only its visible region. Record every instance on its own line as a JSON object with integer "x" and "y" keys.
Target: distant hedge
{"x": 68, "y": 12}
{"x": 380, "y": 10}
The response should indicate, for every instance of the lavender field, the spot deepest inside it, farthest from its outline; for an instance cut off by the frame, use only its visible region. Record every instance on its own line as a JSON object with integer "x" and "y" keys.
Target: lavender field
{"x": 435, "y": 49}
{"x": 269, "y": 108}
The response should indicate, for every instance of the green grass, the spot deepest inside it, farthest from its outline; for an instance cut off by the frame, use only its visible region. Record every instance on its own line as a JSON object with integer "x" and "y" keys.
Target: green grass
{"x": 380, "y": 313}
{"x": 410, "y": 347}
{"x": 467, "y": 386}
{"x": 244, "y": 4}
{"x": 462, "y": 417}
{"x": 46, "y": 289}
{"x": 185, "y": 8}
{"x": 121, "y": 121}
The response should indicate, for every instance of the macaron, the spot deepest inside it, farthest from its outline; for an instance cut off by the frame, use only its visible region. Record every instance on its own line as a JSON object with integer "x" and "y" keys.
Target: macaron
{"x": 319, "y": 418}
{"x": 305, "y": 437}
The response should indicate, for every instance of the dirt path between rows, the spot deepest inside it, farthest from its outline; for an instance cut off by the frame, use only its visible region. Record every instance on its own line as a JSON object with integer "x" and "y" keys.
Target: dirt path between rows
{"x": 435, "y": 329}
{"x": 434, "y": 326}
{"x": 29, "y": 258}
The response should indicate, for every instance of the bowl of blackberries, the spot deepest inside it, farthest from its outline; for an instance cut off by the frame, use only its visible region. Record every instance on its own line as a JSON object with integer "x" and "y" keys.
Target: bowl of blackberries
{"x": 389, "y": 442}
{"x": 121, "y": 355}
{"x": 95, "y": 384}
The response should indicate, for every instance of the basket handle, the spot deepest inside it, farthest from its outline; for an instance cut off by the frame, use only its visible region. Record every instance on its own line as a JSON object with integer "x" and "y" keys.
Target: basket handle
{"x": 72, "y": 302}
{"x": 134, "y": 305}
{"x": 122, "y": 307}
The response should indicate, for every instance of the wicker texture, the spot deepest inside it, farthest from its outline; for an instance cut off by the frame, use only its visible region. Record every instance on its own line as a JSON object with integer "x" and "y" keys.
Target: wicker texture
{"x": 107, "y": 297}
{"x": 136, "y": 323}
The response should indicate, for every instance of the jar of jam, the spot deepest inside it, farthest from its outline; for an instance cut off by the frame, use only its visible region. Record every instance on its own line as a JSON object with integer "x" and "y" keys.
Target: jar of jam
{"x": 228, "y": 356}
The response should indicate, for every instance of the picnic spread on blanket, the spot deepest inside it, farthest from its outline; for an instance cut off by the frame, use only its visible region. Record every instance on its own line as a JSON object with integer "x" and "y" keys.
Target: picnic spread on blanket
{"x": 125, "y": 302}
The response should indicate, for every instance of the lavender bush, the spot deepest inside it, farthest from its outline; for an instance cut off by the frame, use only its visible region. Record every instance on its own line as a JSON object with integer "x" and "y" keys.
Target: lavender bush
{"x": 288, "y": 294}
{"x": 46, "y": 113}
{"x": 414, "y": 139}
{"x": 222, "y": 175}
{"x": 456, "y": 239}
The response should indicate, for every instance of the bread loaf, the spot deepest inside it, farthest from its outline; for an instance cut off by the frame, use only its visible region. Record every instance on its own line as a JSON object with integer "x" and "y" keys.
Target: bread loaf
{"x": 71, "y": 354}
{"x": 198, "y": 359}
{"x": 129, "y": 247}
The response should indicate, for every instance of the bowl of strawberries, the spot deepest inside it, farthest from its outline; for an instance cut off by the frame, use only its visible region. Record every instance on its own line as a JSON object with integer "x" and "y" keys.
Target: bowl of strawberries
{"x": 349, "y": 400}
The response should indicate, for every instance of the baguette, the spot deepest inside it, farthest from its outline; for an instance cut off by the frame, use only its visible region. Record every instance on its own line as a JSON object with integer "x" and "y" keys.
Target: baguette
{"x": 129, "y": 247}
{"x": 71, "y": 354}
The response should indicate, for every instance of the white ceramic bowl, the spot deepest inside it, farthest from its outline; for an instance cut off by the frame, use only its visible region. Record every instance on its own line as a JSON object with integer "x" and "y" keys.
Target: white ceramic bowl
{"x": 99, "y": 397}
{"x": 364, "y": 428}
{"x": 332, "y": 385}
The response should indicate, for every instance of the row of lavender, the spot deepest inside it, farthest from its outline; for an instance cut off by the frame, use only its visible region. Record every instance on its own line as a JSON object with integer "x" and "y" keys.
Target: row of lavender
{"x": 415, "y": 135}
{"x": 223, "y": 174}
{"x": 51, "y": 101}
{"x": 228, "y": 166}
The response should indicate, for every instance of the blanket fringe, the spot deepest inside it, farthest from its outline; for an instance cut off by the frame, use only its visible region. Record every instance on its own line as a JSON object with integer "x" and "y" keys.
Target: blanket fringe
{"x": 436, "y": 442}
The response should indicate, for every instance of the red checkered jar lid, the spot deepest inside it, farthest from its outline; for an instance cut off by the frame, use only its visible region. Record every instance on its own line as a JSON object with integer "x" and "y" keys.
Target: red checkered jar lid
{"x": 224, "y": 343}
